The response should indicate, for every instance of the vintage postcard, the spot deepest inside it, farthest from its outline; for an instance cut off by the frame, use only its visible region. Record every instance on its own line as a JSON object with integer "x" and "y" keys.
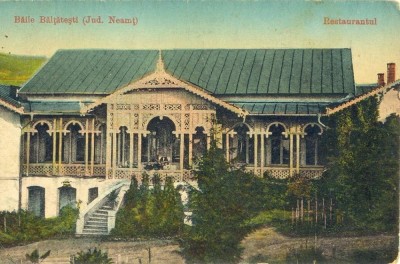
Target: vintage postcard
{"x": 199, "y": 131}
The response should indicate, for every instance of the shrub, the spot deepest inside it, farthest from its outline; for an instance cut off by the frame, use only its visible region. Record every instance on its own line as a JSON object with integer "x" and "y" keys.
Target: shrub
{"x": 94, "y": 256}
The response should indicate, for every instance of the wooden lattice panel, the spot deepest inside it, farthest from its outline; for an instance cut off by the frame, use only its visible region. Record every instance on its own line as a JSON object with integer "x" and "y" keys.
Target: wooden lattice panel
{"x": 279, "y": 173}
{"x": 151, "y": 107}
{"x": 72, "y": 170}
{"x": 311, "y": 174}
{"x": 123, "y": 174}
{"x": 39, "y": 169}
{"x": 172, "y": 107}
{"x": 99, "y": 171}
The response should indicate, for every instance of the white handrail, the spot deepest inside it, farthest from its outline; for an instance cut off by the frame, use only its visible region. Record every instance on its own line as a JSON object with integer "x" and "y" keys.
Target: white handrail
{"x": 96, "y": 204}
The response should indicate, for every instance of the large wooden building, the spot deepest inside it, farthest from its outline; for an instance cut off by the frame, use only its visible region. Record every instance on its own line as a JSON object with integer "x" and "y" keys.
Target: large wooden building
{"x": 92, "y": 119}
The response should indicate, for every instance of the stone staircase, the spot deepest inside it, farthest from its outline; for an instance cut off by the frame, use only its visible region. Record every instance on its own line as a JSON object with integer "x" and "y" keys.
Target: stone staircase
{"x": 97, "y": 224}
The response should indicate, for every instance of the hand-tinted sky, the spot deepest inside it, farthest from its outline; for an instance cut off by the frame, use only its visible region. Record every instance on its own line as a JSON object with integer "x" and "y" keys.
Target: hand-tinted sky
{"x": 206, "y": 24}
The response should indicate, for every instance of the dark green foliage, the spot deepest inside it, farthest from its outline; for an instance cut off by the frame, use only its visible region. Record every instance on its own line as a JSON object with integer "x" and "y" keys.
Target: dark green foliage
{"x": 384, "y": 255}
{"x": 34, "y": 257}
{"x": 155, "y": 212}
{"x": 24, "y": 227}
{"x": 305, "y": 256}
{"x": 92, "y": 256}
{"x": 363, "y": 166}
{"x": 225, "y": 200}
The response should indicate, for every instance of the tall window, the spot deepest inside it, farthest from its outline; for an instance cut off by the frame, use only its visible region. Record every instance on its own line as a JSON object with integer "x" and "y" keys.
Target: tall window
{"x": 278, "y": 145}
{"x": 74, "y": 145}
{"x": 36, "y": 200}
{"x": 312, "y": 138}
{"x": 241, "y": 146}
{"x": 41, "y": 148}
{"x": 123, "y": 143}
{"x": 100, "y": 146}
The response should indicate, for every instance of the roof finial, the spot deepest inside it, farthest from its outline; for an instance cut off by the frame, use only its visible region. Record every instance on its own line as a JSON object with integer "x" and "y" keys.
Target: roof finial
{"x": 160, "y": 63}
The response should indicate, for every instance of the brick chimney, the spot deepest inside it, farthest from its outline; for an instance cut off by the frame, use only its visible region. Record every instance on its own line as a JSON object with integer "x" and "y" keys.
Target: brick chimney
{"x": 381, "y": 79}
{"x": 391, "y": 72}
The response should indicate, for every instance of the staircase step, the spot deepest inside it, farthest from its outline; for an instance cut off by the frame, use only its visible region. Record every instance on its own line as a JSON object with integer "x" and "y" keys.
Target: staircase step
{"x": 94, "y": 234}
{"x": 100, "y": 215}
{"x": 100, "y": 211}
{"x": 96, "y": 222}
{"x": 95, "y": 227}
{"x": 94, "y": 231}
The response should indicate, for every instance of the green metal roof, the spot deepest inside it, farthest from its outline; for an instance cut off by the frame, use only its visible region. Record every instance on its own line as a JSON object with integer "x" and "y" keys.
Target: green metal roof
{"x": 264, "y": 71}
{"x": 52, "y": 107}
{"x": 91, "y": 71}
{"x": 8, "y": 94}
{"x": 283, "y": 108}
{"x": 219, "y": 71}
{"x": 365, "y": 88}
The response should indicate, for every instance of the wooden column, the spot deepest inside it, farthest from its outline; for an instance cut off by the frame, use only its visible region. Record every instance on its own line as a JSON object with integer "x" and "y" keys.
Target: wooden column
{"x": 139, "y": 151}
{"x": 208, "y": 138}
{"x": 132, "y": 138}
{"x": 291, "y": 154}
{"x": 117, "y": 145}
{"x": 227, "y": 146}
{"x": 60, "y": 146}
{"x": 181, "y": 151}
{"x": 108, "y": 150}
{"x": 86, "y": 131}
{"x": 28, "y": 146}
{"x": 262, "y": 154}
{"x": 297, "y": 153}
{"x": 255, "y": 135}
{"x": 92, "y": 148}
{"x": 54, "y": 134}
{"x": 114, "y": 153}
{"x": 190, "y": 148}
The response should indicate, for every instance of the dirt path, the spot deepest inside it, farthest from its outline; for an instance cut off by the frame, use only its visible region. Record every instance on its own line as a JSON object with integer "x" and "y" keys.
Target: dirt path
{"x": 263, "y": 245}
{"x": 120, "y": 251}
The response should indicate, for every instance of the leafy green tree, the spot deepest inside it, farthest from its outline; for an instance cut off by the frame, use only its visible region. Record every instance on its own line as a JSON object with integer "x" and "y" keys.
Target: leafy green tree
{"x": 225, "y": 200}
{"x": 362, "y": 165}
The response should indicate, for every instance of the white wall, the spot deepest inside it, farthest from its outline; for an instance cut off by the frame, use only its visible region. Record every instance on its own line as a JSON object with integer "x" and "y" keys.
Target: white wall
{"x": 51, "y": 185}
{"x": 10, "y": 140}
{"x": 390, "y": 104}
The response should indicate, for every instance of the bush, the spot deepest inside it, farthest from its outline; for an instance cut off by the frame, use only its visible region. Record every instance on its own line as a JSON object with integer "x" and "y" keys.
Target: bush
{"x": 156, "y": 212}
{"x": 94, "y": 256}
{"x": 25, "y": 227}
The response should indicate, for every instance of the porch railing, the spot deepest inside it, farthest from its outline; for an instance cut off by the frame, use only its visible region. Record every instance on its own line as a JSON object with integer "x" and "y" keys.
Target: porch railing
{"x": 47, "y": 169}
{"x": 79, "y": 170}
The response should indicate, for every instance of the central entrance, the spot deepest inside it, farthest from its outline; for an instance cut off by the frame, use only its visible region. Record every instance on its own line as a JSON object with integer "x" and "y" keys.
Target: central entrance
{"x": 160, "y": 146}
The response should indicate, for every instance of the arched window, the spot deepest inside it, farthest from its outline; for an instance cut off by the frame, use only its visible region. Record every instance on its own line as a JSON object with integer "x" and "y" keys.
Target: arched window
{"x": 41, "y": 148}
{"x": 100, "y": 146}
{"x": 160, "y": 143}
{"x": 36, "y": 200}
{"x": 312, "y": 139}
{"x": 123, "y": 143}
{"x": 74, "y": 145}
{"x": 278, "y": 151}
{"x": 241, "y": 145}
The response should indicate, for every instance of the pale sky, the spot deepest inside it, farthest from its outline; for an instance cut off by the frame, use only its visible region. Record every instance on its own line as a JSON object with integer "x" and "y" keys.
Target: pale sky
{"x": 206, "y": 24}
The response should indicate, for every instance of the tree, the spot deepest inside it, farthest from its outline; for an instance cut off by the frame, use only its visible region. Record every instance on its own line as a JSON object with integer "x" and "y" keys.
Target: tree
{"x": 225, "y": 199}
{"x": 362, "y": 165}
